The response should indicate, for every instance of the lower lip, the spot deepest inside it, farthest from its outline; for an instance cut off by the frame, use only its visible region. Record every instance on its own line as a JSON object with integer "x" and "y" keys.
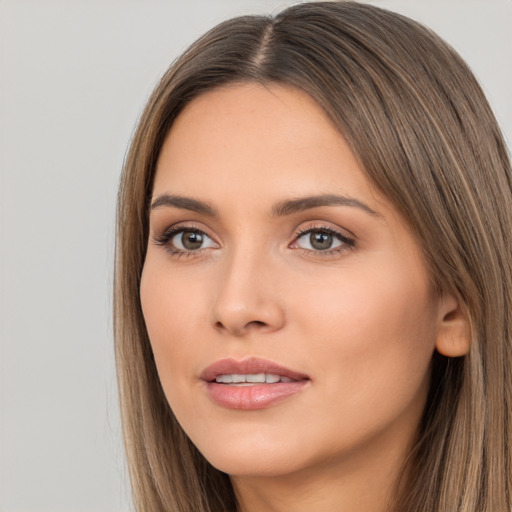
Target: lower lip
{"x": 258, "y": 396}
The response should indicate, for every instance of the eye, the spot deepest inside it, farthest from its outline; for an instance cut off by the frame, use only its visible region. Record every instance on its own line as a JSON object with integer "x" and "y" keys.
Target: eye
{"x": 322, "y": 240}
{"x": 182, "y": 240}
{"x": 191, "y": 240}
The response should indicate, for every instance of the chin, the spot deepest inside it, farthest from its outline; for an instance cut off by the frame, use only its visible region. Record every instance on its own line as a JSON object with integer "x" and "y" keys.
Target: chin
{"x": 250, "y": 457}
{"x": 265, "y": 465}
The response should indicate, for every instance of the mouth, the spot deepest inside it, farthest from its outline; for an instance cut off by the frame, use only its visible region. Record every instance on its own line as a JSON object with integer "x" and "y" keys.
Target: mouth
{"x": 251, "y": 379}
{"x": 252, "y": 383}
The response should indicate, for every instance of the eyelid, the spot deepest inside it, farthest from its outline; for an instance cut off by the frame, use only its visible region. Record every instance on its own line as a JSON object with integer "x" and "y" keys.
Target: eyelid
{"x": 168, "y": 233}
{"x": 163, "y": 239}
{"x": 348, "y": 240}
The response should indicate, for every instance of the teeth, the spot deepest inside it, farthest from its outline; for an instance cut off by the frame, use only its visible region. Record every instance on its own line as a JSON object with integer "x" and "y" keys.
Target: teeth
{"x": 251, "y": 378}
{"x": 224, "y": 379}
{"x": 259, "y": 377}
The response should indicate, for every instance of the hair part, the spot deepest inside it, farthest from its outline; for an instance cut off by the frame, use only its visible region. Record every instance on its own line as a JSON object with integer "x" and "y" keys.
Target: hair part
{"x": 423, "y": 132}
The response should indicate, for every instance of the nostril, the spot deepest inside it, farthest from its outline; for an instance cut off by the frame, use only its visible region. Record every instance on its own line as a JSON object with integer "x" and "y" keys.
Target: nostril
{"x": 255, "y": 324}
{"x": 239, "y": 317}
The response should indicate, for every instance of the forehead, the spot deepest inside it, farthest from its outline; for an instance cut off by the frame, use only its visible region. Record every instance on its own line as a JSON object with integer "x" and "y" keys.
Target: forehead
{"x": 256, "y": 140}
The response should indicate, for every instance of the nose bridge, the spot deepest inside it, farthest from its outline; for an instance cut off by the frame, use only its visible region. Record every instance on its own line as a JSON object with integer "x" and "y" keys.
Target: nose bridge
{"x": 247, "y": 296}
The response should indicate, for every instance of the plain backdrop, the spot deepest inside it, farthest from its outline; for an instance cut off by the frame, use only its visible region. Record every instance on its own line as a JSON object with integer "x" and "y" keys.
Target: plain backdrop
{"x": 74, "y": 76}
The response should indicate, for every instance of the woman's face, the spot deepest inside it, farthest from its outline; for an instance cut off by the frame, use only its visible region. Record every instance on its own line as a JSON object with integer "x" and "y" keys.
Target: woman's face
{"x": 272, "y": 258}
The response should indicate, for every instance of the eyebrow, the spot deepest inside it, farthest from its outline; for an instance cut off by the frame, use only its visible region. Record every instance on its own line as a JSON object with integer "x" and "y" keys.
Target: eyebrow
{"x": 283, "y": 208}
{"x": 184, "y": 203}
{"x": 305, "y": 203}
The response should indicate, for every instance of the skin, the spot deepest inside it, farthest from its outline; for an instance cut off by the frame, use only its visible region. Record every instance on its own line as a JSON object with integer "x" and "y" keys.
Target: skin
{"x": 360, "y": 319}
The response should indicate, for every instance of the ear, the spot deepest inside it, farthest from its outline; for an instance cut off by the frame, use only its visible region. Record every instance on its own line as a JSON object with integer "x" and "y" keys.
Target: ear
{"x": 454, "y": 332}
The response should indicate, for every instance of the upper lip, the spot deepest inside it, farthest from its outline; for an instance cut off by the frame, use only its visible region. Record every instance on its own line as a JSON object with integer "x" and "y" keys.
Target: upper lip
{"x": 252, "y": 365}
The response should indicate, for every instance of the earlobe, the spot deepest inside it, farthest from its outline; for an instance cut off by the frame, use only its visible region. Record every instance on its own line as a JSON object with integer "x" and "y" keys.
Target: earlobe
{"x": 454, "y": 331}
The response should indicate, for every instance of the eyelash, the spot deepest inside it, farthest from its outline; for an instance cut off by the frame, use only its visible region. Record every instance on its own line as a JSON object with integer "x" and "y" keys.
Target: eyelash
{"x": 164, "y": 241}
{"x": 346, "y": 242}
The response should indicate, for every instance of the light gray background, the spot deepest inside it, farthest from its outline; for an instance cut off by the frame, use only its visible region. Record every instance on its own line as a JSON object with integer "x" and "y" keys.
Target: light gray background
{"x": 74, "y": 76}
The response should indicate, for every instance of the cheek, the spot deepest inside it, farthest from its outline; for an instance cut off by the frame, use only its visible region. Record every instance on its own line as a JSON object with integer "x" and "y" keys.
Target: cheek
{"x": 374, "y": 332}
{"x": 171, "y": 312}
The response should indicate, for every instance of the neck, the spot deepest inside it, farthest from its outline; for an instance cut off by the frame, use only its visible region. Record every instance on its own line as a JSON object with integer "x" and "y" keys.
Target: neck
{"x": 357, "y": 483}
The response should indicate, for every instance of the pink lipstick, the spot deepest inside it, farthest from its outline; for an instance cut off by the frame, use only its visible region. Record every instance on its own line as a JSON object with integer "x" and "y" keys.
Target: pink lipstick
{"x": 251, "y": 383}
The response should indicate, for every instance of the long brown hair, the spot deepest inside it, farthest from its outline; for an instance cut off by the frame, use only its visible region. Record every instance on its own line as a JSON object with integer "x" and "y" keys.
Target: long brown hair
{"x": 424, "y": 133}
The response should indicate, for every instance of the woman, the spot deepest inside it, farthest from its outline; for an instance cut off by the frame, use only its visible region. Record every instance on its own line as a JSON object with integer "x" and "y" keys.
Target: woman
{"x": 313, "y": 277}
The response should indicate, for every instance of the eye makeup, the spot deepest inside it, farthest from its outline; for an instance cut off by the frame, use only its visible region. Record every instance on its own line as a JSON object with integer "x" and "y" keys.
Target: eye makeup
{"x": 184, "y": 240}
{"x": 322, "y": 240}
{"x": 190, "y": 240}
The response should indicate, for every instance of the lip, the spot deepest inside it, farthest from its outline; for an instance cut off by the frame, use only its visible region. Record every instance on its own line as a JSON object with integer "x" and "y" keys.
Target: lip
{"x": 258, "y": 396}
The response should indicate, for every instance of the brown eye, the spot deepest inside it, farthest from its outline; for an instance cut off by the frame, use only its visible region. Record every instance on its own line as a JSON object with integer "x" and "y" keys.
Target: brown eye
{"x": 191, "y": 240}
{"x": 320, "y": 240}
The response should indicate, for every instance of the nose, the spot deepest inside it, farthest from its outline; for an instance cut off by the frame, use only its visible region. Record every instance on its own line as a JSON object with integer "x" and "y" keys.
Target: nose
{"x": 248, "y": 296}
